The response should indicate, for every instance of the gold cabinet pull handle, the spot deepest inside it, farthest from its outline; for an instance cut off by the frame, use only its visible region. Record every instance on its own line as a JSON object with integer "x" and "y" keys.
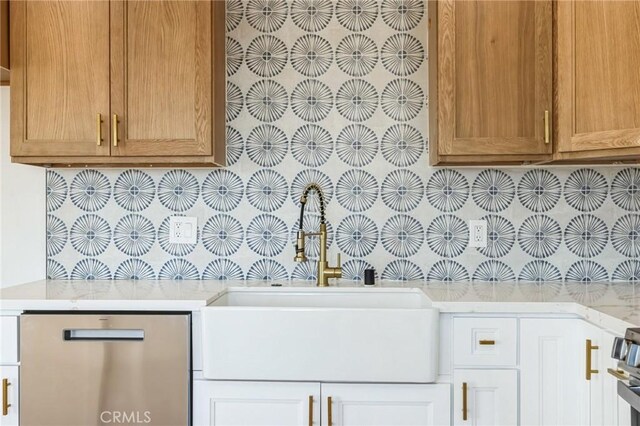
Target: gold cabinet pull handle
{"x": 487, "y": 342}
{"x": 464, "y": 402}
{"x": 618, "y": 374}
{"x": 5, "y": 397}
{"x": 589, "y": 347}
{"x": 329, "y": 411}
{"x": 547, "y": 128}
{"x": 310, "y": 410}
{"x": 99, "y": 122}
{"x": 114, "y": 128}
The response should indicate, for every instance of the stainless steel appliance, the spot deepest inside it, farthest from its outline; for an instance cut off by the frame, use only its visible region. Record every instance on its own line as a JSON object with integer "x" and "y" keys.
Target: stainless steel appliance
{"x": 627, "y": 351}
{"x": 105, "y": 369}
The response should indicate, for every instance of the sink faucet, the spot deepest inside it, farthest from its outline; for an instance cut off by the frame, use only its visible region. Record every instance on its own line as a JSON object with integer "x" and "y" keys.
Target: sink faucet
{"x": 324, "y": 270}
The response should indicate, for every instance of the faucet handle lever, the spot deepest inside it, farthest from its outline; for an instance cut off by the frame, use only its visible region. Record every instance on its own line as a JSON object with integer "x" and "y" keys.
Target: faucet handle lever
{"x": 339, "y": 262}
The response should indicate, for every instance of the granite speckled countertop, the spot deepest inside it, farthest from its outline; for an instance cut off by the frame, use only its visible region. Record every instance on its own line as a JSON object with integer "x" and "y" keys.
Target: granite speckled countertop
{"x": 614, "y": 306}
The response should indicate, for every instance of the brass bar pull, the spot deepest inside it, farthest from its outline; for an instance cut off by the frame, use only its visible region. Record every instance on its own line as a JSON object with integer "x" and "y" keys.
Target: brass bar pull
{"x": 99, "y": 122}
{"x": 588, "y": 348}
{"x": 114, "y": 129}
{"x": 487, "y": 342}
{"x": 329, "y": 412}
{"x": 547, "y": 128}
{"x": 464, "y": 401}
{"x": 5, "y": 397}
{"x": 618, "y": 374}
{"x": 310, "y": 410}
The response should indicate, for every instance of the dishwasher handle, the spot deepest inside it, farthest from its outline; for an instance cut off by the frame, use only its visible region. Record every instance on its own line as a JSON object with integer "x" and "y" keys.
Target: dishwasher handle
{"x": 102, "y": 334}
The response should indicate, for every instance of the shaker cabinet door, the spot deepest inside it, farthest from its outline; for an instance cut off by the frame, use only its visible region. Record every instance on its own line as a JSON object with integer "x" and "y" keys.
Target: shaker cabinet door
{"x": 485, "y": 397}
{"x": 553, "y": 389}
{"x": 10, "y": 395}
{"x": 348, "y": 404}
{"x": 598, "y": 83}
{"x": 59, "y": 78}
{"x": 161, "y": 58}
{"x": 494, "y": 79}
{"x": 220, "y": 403}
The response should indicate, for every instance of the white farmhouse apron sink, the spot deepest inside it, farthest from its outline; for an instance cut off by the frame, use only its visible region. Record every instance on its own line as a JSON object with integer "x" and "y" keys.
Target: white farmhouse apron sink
{"x": 321, "y": 334}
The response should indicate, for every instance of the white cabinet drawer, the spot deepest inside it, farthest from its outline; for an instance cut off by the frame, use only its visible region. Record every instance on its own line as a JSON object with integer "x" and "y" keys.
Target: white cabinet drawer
{"x": 8, "y": 339}
{"x": 485, "y": 342}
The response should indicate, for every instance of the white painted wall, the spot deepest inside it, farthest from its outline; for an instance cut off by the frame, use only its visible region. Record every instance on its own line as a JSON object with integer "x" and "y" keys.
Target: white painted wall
{"x": 22, "y": 213}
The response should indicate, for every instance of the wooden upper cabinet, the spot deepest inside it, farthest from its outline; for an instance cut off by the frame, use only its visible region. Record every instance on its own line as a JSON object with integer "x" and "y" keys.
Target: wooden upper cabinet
{"x": 598, "y": 79}
{"x": 161, "y": 77}
{"x": 4, "y": 42}
{"x": 154, "y": 70}
{"x": 490, "y": 81}
{"x": 60, "y": 78}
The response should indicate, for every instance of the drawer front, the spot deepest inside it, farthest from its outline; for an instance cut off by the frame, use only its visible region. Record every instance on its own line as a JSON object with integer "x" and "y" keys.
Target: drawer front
{"x": 8, "y": 340}
{"x": 485, "y": 342}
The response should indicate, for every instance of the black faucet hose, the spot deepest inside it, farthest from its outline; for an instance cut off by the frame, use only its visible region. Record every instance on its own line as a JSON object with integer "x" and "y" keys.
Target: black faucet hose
{"x": 303, "y": 200}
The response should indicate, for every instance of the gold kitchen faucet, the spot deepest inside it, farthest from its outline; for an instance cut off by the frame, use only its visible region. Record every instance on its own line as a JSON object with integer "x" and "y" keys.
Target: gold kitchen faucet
{"x": 325, "y": 272}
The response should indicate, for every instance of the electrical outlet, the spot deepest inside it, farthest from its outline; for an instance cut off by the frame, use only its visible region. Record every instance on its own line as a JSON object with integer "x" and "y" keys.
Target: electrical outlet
{"x": 477, "y": 233}
{"x": 183, "y": 230}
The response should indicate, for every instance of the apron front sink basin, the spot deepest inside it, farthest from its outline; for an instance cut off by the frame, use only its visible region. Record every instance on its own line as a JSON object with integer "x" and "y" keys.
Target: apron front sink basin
{"x": 321, "y": 334}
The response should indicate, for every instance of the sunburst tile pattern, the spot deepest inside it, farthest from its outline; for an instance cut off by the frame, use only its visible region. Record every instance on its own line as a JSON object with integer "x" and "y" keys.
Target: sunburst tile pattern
{"x": 336, "y": 92}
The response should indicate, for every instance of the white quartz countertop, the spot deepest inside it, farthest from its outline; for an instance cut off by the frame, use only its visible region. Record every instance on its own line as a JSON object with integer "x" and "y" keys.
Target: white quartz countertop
{"x": 614, "y": 306}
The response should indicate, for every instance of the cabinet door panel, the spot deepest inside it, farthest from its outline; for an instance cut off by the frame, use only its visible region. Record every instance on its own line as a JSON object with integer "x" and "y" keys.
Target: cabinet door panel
{"x": 11, "y": 375}
{"x": 603, "y": 386}
{"x": 553, "y": 389}
{"x": 217, "y": 403}
{"x": 598, "y": 83}
{"x": 624, "y": 413}
{"x": 492, "y": 397}
{"x": 386, "y": 405}
{"x": 494, "y": 77}
{"x": 161, "y": 77}
{"x": 60, "y": 78}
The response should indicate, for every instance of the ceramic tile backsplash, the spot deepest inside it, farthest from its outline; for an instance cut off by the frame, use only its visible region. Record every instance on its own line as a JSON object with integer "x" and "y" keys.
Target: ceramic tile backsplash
{"x": 335, "y": 92}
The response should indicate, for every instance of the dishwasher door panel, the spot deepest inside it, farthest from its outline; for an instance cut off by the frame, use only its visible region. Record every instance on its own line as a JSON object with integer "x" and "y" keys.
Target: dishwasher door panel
{"x": 92, "y": 369}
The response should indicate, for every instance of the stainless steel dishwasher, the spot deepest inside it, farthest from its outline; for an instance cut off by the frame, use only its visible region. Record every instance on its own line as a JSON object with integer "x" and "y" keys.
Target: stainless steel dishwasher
{"x": 105, "y": 369}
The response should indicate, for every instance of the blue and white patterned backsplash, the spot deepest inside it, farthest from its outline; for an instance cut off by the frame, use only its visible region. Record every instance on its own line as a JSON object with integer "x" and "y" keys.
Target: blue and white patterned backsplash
{"x": 335, "y": 92}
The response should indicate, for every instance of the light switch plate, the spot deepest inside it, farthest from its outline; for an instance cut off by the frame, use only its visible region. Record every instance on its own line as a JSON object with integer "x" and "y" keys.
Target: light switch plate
{"x": 477, "y": 233}
{"x": 183, "y": 230}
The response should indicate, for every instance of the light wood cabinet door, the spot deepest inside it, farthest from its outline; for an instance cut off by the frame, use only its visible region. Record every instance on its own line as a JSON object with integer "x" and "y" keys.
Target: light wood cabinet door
{"x": 219, "y": 403}
{"x": 60, "y": 78}
{"x": 490, "y": 80}
{"x": 598, "y": 82}
{"x": 161, "y": 78}
{"x": 4, "y": 42}
{"x": 485, "y": 397}
{"x": 385, "y": 404}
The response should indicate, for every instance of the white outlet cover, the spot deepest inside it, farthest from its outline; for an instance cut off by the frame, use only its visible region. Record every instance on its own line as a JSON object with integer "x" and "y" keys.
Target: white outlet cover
{"x": 183, "y": 230}
{"x": 477, "y": 233}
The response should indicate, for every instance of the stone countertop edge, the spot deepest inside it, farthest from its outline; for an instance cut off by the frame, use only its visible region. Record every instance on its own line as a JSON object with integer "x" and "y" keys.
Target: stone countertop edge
{"x": 616, "y": 308}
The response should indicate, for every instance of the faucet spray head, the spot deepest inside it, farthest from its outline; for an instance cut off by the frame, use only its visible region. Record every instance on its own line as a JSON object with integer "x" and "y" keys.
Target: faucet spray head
{"x": 300, "y": 256}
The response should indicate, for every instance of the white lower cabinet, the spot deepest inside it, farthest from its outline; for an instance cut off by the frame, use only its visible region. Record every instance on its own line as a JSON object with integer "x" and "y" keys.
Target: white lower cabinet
{"x": 603, "y": 396}
{"x": 221, "y": 403}
{"x": 624, "y": 413}
{"x": 217, "y": 403}
{"x": 548, "y": 371}
{"x": 553, "y": 389}
{"x": 385, "y": 405}
{"x": 10, "y": 392}
{"x": 485, "y": 397}
{"x": 564, "y": 378}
